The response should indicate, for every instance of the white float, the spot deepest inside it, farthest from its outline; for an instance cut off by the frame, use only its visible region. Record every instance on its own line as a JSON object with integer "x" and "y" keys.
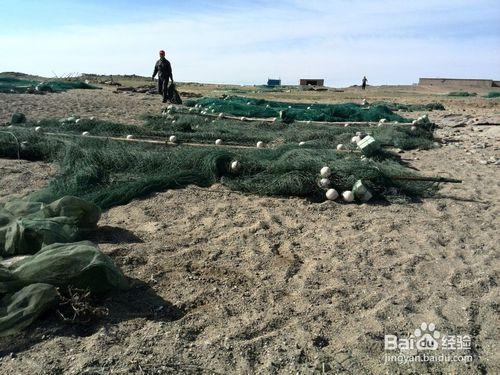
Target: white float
{"x": 218, "y": 142}
{"x": 332, "y": 194}
{"x": 235, "y": 166}
{"x": 325, "y": 172}
{"x": 172, "y": 139}
{"x": 324, "y": 183}
{"x": 260, "y": 144}
{"x": 348, "y": 196}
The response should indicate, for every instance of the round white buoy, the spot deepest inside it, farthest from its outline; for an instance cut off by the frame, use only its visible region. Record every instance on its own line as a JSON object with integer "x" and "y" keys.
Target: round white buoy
{"x": 77, "y": 121}
{"x": 221, "y": 115}
{"x": 396, "y": 122}
{"x": 340, "y": 147}
{"x": 355, "y": 139}
{"x": 235, "y": 166}
{"x": 348, "y": 196}
{"x": 382, "y": 121}
{"x": 347, "y": 124}
{"x": 324, "y": 183}
{"x": 191, "y": 109}
{"x": 172, "y": 139}
{"x": 130, "y": 136}
{"x": 38, "y": 129}
{"x": 302, "y": 143}
{"x": 325, "y": 172}
{"x": 170, "y": 106}
{"x": 249, "y": 103}
{"x": 309, "y": 122}
{"x": 308, "y": 108}
{"x": 218, "y": 142}
{"x": 85, "y": 134}
{"x": 274, "y": 119}
{"x": 92, "y": 118}
{"x": 414, "y": 122}
{"x": 332, "y": 194}
{"x": 413, "y": 128}
{"x": 243, "y": 119}
{"x": 173, "y": 121}
{"x": 267, "y": 106}
{"x": 289, "y": 107}
{"x": 260, "y": 144}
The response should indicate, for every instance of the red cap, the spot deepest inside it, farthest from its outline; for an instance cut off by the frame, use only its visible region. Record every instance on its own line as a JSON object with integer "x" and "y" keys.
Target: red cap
{"x": 162, "y": 52}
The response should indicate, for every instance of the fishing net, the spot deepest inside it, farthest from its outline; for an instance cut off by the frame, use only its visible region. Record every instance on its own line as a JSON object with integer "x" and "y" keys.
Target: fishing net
{"x": 493, "y": 94}
{"x": 434, "y": 106}
{"x": 260, "y": 108}
{"x": 200, "y": 129}
{"x": 38, "y": 254}
{"x": 16, "y": 85}
{"x": 109, "y": 173}
{"x": 462, "y": 93}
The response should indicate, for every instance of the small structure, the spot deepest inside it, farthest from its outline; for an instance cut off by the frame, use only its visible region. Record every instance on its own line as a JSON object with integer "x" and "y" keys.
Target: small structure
{"x": 457, "y": 82}
{"x": 274, "y": 82}
{"x": 312, "y": 82}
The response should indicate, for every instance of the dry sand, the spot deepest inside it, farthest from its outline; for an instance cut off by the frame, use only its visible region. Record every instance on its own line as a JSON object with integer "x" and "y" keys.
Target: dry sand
{"x": 229, "y": 283}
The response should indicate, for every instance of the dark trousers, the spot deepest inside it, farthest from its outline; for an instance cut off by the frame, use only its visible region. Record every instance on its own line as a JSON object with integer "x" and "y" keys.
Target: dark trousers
{"x": 163, "y": 87}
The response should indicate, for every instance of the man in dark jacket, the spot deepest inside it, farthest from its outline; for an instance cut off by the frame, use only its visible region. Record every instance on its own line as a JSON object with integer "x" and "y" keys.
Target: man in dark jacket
{"x": 164, "y": 70}
{"x": 363, "y": 83}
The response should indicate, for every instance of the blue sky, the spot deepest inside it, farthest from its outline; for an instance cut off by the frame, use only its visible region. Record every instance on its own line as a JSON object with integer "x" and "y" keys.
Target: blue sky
{"x": 246, "y": 42}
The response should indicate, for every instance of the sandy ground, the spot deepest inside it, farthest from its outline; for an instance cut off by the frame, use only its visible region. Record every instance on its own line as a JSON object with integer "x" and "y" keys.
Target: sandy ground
{"x": 230, "y": 283}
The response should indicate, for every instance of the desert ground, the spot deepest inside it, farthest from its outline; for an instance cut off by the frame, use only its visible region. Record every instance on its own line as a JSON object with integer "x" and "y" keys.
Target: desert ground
{"x": 229, "y": 283}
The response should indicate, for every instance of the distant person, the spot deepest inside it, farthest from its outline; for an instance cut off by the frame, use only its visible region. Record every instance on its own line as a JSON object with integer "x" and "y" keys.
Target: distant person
{"x": 164, "y": 70}
{"x": 363, "y": 85}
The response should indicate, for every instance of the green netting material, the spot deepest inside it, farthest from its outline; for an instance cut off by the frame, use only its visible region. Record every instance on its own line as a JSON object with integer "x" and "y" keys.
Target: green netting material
{"x": 411, "y": 107}
{"x": 199, "y": 129}
{"x": 248, "y": 107}
{"x": 110, "y": 173}
{"x": 462, "y": 93}
{"x": 16, "y": 85}
{"x": 493, "y": 94}
{"x": 45, "y": 232}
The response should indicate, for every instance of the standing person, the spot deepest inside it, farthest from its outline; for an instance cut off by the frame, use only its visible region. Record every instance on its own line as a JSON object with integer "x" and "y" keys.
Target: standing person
{"x": 363, "y": 85}
{"x": 164, "y": 70}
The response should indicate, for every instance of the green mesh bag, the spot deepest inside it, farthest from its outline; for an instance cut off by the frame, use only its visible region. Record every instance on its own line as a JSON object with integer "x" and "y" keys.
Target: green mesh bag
{"x": 27, "y": 236}
{"x": 19, "y": 310}
{"x": 80, "y": 265}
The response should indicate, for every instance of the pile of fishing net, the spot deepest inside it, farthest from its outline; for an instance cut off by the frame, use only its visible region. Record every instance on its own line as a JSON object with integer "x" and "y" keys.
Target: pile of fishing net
{"x": 462, "y": 93}
{"x": 41, "y": 256}
{"x": 434, "y": 106}
{"x": 492, "y": 95}
{"x": 19, "y": 86}
{"x": 260, "y": 108}
{"x": 109, "y": 173}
